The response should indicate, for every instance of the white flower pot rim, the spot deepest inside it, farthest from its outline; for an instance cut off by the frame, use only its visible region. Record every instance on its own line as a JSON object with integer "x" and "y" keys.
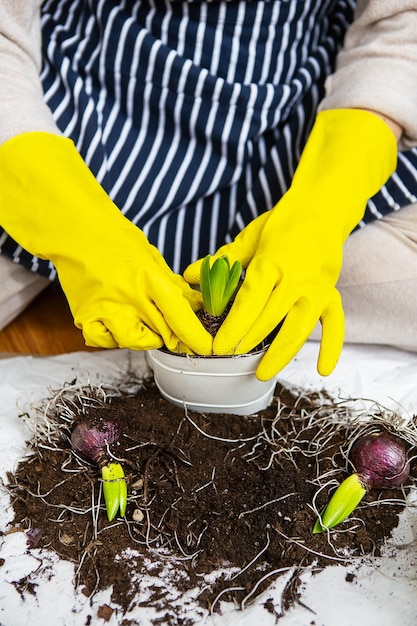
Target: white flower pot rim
{"x": 215, "y": 356}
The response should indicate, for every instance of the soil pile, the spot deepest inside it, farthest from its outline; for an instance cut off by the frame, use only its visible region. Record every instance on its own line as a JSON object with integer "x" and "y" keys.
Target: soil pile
{"x": 219, "y": 505}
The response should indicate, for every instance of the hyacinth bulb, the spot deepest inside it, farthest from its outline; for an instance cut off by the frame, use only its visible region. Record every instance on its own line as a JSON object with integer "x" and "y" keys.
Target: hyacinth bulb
{"x": 90, "y": 442}
{"x": 380, "y": 461}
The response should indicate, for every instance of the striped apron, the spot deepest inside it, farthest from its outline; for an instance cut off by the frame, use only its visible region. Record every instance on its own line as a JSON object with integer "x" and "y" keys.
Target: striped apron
{"x": 193, "y": 115}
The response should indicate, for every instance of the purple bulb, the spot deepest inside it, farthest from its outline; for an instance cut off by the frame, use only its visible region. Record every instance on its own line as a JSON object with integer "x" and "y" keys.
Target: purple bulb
{"x": 90, "y": 442}
{"x": 381, "y": 460}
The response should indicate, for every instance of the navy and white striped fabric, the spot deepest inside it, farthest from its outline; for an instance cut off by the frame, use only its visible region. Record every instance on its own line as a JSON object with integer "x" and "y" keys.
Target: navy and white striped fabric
{"x": 192, "y": 115}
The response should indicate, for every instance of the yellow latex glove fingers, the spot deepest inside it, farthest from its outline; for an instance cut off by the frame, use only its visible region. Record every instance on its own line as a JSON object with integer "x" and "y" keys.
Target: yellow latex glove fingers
{"x": 120, "y": 290}
{"x": 145, "y": 307}
{"x": 297, "y": 326}
{"x": 296, "y": 284}
{"x": 270, "y": 305}
{"x": 242, "y": 249}
{"x": 293, "y": 253}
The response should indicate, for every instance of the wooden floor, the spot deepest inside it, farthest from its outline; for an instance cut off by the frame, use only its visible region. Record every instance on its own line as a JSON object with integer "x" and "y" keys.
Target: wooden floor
{"x": 46, "y": 327}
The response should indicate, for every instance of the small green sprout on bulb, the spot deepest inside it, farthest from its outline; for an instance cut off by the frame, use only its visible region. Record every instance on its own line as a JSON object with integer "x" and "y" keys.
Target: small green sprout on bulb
{"x": 380, "y": 460}
{"x": 91, "y": 443}
{"x": 114, "y": 489}
{"x": 218, "y": 283}
{"x": 344, "y": 500}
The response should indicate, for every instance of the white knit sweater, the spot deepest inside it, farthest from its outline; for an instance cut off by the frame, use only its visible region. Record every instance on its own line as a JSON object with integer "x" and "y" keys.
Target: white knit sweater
{"x": 377, "y": 68}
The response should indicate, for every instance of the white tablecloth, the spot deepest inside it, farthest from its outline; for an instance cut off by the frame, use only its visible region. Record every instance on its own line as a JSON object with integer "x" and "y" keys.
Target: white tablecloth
{"x": 383, "y": 593}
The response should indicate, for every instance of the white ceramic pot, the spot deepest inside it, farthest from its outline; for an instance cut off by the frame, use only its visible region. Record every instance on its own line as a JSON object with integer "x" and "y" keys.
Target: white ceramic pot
{"x": 211, "y": 384}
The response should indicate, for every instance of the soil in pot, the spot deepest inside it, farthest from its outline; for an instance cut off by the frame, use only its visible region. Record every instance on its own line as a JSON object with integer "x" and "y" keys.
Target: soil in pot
{"x": 212, "y": 323}
{"x": 217, "y": 503}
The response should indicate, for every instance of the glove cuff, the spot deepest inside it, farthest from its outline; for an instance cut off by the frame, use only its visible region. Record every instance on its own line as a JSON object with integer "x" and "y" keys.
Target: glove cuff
{"x": 349, "y": 155}
{"x": 50, "y": 199}
{"x": 349, "y": 143}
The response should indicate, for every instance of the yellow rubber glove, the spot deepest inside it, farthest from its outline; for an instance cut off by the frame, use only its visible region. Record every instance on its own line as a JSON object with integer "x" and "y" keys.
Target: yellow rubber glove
{"x": 293, "y": 253}
{"x": 120, "y": 290}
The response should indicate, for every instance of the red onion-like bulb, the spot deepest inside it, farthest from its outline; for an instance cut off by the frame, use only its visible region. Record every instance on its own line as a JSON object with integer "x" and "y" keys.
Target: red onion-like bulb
{"x": 381, "y": 460}
{"x": 90, "y": 442}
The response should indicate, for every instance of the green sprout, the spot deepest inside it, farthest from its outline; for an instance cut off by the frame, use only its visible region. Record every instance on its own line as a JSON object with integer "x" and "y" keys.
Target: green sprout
{"x": 344, "y": 500}
{"x": 218, "y": 283}
{"x": 91, "y": 443}
{"x": 380, "y": 460}
{"x": 114, "y": 489}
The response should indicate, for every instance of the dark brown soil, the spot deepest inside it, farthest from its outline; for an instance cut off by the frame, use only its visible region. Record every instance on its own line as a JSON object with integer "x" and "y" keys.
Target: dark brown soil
{"x": 226, "y": 500}
{"x": 212, "y": 323}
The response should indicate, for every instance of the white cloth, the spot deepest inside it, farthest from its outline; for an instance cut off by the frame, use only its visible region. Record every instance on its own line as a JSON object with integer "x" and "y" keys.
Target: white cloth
{"x": 384, "y": 588}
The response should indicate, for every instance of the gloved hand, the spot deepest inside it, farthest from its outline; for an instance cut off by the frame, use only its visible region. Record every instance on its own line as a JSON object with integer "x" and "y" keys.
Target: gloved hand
{"x": 119, "y": 288}
{"x": 293, "y": 253}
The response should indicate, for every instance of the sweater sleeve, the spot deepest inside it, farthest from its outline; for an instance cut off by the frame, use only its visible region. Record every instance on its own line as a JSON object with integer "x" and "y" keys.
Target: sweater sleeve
{"x": 377, "y": 67}
{"x": 22, "y": 108}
